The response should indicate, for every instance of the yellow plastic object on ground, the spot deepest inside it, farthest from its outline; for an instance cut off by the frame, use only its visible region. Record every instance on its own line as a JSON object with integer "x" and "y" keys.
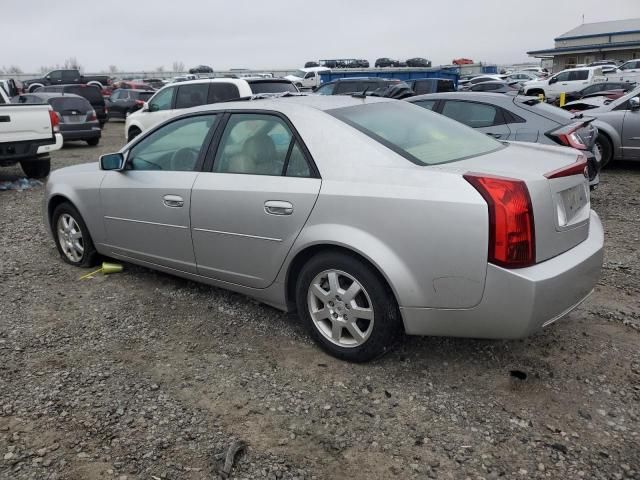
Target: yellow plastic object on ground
{"x": 563, "y": 99}
{"x": 106, "y": 269}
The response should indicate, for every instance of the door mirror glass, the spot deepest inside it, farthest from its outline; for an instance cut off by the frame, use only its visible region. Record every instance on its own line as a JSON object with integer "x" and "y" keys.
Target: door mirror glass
{"x": 634, "y": 103}
{"x": 154, "y": 107}
{"x": 112, "y": 161}
{"x": 553, "y": 80}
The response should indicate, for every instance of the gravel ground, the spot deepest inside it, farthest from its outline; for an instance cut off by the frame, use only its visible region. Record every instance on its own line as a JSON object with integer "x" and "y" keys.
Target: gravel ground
{"x": 143, "y": 375}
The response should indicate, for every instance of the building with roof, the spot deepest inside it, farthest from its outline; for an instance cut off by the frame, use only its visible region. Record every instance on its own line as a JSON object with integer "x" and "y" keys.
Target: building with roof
{"x": 615, "y": 40}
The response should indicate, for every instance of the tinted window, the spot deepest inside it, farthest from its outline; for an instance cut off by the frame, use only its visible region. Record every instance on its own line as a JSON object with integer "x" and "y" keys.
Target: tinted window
{"x": 428, "y": 104}
{"x": 445, "y": 86}
{"x": 70, "y": 76}
{"x": 476, "y": 115}
{"x": 253, "y": 144}
{"x": 578, "y": 75}
{"x": 192, "y": 95}
{"x": 420, "y": 136}
{"x": 60, "y": 104}
{"x": 326, "y": 89}
{"x": 55, "y": 75}
{"x": 422, "y": 86}
{"x": 144, "y": 96}
{"x": 174, "y": 147}
{"x": 347, "y": 87}
{"x": 221, "y": 92}
{"x": 297, "y": 165}
{"x": 162, "y": 100}
{"x": 562, "y": 76}
{"x": 272, "y": 87}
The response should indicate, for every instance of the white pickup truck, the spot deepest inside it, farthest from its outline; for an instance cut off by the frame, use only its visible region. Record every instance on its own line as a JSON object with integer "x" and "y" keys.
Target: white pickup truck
{"x": 627, "y": 72}
{"x": 27, "y": 134}
{"x": 566, "y": 81}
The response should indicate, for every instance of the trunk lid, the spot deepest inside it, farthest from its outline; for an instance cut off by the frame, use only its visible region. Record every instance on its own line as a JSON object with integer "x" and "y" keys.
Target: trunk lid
{"x": 561, "y": 203}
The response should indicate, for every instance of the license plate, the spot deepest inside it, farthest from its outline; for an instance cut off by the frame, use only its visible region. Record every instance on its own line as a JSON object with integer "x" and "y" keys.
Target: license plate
{"x": 72, "y": 118}
{"x": 573, "y": 200}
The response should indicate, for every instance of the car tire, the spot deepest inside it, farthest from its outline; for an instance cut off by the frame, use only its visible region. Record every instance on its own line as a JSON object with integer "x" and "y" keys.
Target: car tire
{"x": 327, "y": 307}
{"x": 133, "y": 133}
{"x": 66, "y": 224}
{"x": 606, "y": 149}
{"x": 535, "y": 93}
{"x": 39, "y": 168}
{"x": 92, "y": 142}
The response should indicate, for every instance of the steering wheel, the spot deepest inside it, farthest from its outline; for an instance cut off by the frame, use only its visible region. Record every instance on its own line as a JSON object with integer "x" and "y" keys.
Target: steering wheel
{"x": 184, "y": 159}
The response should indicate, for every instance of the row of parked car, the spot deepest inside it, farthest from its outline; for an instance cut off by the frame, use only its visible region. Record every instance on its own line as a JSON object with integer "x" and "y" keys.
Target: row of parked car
{"x": 361, "y": 63}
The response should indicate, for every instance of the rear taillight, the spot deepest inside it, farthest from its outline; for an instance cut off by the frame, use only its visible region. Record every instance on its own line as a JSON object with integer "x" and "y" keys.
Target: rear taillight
{"x": 578, "y": 168}
{"x": 55, "y": 121}
{"x": 91, "y": 116}
{"x": 139, "y": 103}
{"x": 568, "y": 136}
{"x": 511, "y": 226}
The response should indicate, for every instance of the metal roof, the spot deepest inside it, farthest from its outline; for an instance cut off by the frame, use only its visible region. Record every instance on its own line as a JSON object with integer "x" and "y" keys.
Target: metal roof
{"x": 582, "y": 48}
{"x": 602, "y": 28}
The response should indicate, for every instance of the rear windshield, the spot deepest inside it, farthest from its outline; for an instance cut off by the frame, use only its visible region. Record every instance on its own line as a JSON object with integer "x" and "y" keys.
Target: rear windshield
{"x": 60, "y": 104}
{"x": 548, "y": 111}
{"x": 89, "y": 92}
{"x": 142, "y": 95}
{"x": 419, "y": 135}
{"x": 272, "y": 87}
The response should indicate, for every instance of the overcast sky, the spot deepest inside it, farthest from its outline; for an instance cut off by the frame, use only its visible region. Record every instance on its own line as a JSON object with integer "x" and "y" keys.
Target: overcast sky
{"x": 143, "y": 35}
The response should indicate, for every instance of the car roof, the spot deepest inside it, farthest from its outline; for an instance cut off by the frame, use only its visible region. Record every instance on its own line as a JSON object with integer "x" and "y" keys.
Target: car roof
{"x": 235, "y": 81}
{"x": 314, "y": 69}
{"x": 49, "y": 95}
{"x": 581, "y": 68}
{"x": 479, "y": 96}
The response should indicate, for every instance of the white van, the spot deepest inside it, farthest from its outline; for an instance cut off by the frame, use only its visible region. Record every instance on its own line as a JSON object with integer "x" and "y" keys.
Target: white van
{"x": 307, "y": 77}
{"x": 570, "y": 80}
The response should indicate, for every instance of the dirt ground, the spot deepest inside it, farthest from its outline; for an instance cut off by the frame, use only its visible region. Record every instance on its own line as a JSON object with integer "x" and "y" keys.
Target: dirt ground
{"x": 141, "y": 375}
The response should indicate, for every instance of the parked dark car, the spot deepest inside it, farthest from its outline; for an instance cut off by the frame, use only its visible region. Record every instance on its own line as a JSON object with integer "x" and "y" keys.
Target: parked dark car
{"x": 496, "y": 86}
{"x": 311, "y": 64}
{"x": 354, "y": 85}
{"x": 519, "y": 118}
{"x": 90, "y": 92}
{"x": 66, "y": 77}
{"x": 420, "y": 86}
{"x": 359, "y": 63}
{"x": 385, "y": 62}
{"x": 418, "y": 62}
{"x": 133, "y": 85}
{"x": 125, "y": 101}
{"x": 78, "y": 120}
{"x": 156, "y": 83}
{"x": 201, "y": 69}
{"x": 599, "y": 89}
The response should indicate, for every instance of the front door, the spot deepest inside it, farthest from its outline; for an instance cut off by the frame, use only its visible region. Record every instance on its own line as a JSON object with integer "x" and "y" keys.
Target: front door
{"x": 146, "y": 206}
{"x": 159, "y": 108}
{"x": 247, "y": 212}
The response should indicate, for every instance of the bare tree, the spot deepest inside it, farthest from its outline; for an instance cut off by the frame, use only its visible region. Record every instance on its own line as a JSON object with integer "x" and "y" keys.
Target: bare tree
{"x": 12, "y": 70}
{"x": 72, "y": 62}
{"x": 113, "y": 69}
{"x": 178, "y": 66}
{"x": 160, "y": 69}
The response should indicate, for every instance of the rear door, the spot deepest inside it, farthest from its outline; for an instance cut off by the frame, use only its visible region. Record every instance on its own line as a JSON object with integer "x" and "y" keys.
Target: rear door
{"x": 191, "y": 95}
{"x": 481, "y": 116}
{"x": 248, "y": 211}
{"x": 146, "y": 207}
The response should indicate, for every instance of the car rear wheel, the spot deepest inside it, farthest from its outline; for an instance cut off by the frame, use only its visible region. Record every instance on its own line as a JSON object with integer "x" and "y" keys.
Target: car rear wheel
{"x": 348, "y": 309}
{"x": 36, "y": 168}
{"x": 93, "y": 142}
{"x": 72, "y": 236}
{"x": 603, "y": 145}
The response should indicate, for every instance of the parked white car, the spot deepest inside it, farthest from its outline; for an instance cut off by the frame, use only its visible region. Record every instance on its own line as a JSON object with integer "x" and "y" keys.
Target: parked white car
{"x": 627, "y": 72}
{"x": 171, "y": 99}
{"x": 569, "y": 80}
{"x": 307, "y": 77}
{"x": 28, "y": 132}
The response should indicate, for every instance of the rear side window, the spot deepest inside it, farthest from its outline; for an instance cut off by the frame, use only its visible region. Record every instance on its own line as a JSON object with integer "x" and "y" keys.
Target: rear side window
{"x": 60, "y": 104}
{"x": 272, "y": 87}
{"x": 70, "y": 76}
{"x": 221, "y": 92}
{"x": 428, "y": 104}
{"x": 476, "y": 115}
{"x": 326, "y": 89}
{"x": 445, "y": 86}
{"x": 418, "y": 135}
{"x": 577, "y": 75}
{"x": 422, "y": 86}
{"x": 347, "y": 87}
{"x": 192, "y": 95}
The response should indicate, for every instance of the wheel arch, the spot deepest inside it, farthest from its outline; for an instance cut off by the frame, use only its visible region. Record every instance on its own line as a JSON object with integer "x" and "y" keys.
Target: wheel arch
{"x": 96, "y": 84}
{"x": 303, "y": 256}
{"x": 52, "y": 204}
{"x": 34, "y": 86}
{"x": 613, "y": 136}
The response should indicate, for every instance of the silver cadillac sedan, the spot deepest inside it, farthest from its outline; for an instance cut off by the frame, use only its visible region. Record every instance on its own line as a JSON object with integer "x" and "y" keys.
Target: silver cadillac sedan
{"x": 369, "y": 217}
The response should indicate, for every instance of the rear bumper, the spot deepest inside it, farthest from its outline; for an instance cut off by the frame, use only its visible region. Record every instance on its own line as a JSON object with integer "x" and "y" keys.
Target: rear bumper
{"x": 519, "y": 302}
{"x": 44, "y": 149}
{"x": 84, "y": 134}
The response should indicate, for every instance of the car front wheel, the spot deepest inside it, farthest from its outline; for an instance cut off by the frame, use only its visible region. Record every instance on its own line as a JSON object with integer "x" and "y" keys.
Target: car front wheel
{"x": 72, "y": 236}
{"x": 348, "y": 309}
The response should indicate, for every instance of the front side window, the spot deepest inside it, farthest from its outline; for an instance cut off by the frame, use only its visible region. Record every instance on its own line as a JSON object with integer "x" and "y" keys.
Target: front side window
{"x": 192, "y": 95}
{"x": 418, "y": 135}
{"x": 257, "y": 144}
{"x": 310, "y": 75}
{"x": 174, "y": 147}
{"x": 162, "y": 100}
{"x": 562, "y": 77}
{"x": 476, "y": 115}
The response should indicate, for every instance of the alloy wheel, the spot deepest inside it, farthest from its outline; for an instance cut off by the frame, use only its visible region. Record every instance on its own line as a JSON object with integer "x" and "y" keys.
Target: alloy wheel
{"x": 70, "y": 237}
{"x": 340, "y": 308}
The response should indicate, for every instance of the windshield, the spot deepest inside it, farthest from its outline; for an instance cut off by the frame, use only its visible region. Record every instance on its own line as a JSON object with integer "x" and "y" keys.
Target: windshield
{"x": 299, "y": 73}
{"x": 419, "y": 135}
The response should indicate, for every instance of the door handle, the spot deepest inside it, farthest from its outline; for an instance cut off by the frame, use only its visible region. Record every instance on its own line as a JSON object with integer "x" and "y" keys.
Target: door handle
{"x": 278, "y": 207}
{"x": 494, "y": 135}
{"x": 173, "y": 201}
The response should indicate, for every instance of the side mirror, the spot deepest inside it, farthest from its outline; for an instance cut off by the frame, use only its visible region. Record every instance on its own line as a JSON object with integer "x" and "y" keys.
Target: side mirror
{"x": 150, "y": 108}
{"x": 553, "y": 80}
{"x": 634, "y": 103}
{"x": 112, "y": 161}
{"x": 48, "y": 77}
